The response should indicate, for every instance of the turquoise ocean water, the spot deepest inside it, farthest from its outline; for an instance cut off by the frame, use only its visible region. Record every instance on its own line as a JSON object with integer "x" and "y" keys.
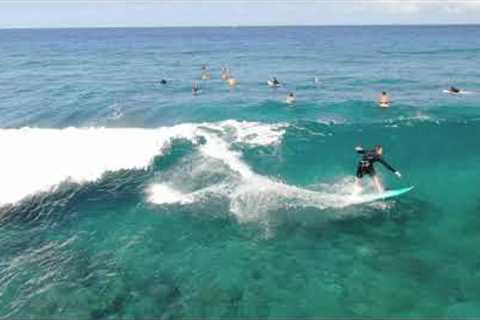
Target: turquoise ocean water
{"x": 124, "y": 198}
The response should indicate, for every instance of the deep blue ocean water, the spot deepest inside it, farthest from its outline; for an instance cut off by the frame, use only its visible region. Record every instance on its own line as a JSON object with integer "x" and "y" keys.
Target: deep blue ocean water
{"x": 125, "y": 198}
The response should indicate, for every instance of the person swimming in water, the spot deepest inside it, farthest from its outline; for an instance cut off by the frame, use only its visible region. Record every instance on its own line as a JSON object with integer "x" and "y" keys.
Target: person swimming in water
{"x": 384, "y": 100}
{"x": 291, "y": 98}
{"x": 231, "y": 81}
{"x": 228, "y": 77}
{"x": 224, "y": 74}
{"x": 195, "y": 88}
{"x": 163, "y": 81}
{"x": 205, "y": 74}
{"x": 366, "y": 165}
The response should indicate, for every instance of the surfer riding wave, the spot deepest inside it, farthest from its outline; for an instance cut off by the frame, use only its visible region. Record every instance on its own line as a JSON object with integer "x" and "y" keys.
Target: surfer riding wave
{"x": 366, "y": 165}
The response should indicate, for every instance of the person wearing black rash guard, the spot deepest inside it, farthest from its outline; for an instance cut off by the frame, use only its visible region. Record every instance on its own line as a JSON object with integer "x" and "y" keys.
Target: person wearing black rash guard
{"x": 366, "y": 165}
{"x": 454, "y": 90}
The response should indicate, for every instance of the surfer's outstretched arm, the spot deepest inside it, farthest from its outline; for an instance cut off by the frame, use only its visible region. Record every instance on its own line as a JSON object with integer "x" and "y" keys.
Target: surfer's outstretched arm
{"x": 389, "y": 167}
{"x": 386, "y": 165}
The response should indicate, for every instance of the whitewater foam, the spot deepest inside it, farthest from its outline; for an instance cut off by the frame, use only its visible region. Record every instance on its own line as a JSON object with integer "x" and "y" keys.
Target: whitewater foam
{"x": 164, "y": 194}
{"x": 37, "y": 160}
{"x": 252, "y": 196}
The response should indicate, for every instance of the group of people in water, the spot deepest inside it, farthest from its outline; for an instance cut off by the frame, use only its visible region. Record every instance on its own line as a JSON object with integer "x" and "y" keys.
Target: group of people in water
{"x": 384, "y": 100}
{"x": 365, "y": 166}
{"x": 227, "y": 76}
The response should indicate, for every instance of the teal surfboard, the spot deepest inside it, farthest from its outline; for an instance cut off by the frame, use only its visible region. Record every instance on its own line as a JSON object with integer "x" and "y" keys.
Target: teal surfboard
{"x": 383, "y": 195}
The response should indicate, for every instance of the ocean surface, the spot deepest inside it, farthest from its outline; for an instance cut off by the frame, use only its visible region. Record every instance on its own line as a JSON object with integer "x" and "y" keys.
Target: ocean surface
{"x": 121, "y": 197}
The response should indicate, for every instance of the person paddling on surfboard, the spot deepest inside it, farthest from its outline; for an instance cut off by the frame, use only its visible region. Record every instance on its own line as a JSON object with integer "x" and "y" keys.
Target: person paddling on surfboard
{"x": 273, "y": 82}
{"x": 454, "y": 90}
{"x": 366, "y": 165}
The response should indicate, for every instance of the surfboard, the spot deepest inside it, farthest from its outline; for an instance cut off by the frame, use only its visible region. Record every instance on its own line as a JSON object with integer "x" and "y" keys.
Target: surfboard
{"x": 384, "y": 104}
{"x": 456, "y": 93}
{"x": 273, "y": 85}
{"x": 382, "y": 196}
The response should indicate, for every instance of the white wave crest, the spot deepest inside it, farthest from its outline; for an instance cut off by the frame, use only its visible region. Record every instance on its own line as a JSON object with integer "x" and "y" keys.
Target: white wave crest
{"x": 35, "y": 160}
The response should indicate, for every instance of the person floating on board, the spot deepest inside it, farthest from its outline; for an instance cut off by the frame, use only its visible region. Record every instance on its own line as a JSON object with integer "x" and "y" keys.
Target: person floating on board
{"x": 366, "y": 165}
{"x": 273, "y": 82}
{"x": 454, "y": 90}
{"x": 384, "y": 100}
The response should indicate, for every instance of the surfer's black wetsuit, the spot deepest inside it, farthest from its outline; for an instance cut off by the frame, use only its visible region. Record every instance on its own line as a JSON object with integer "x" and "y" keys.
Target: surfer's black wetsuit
{"x": 365, "y": 165}
{"x": 454, "y": 90}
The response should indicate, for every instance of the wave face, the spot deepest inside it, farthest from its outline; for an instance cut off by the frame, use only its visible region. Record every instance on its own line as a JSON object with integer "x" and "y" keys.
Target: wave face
{"x": 124, "y": 198}
{"x": 174, "y": 194}
{"x": 85, "y": 155}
